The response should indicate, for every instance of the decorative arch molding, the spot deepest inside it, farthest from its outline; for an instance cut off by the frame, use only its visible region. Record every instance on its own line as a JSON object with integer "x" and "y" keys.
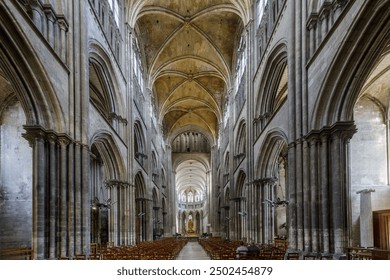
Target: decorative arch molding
{"x": 242, "y": 8}
{"x": 271, "y": 93}
{"x": 240, "y": 183}
{"x": 185, "y": 157}
{"x": 111, "y": 155}
{"x": 191, "y": 141}
{"x": 240, "y": 147}
{"x": 274, "y": 144}
{"x": 275, "y": 66}
{"x": 186, "y": 128}
{"x": 155, "y": 197}
{"x": 140, "y": 186}
{"x": 363, "y": 46}
{"x": 139, "y": 143}
{"x": 103, "y": 67}
{"x": 30, "y": 81}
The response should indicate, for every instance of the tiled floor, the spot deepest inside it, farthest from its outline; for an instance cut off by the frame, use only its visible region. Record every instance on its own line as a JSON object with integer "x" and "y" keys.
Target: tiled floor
{"x": 193, "y": 251}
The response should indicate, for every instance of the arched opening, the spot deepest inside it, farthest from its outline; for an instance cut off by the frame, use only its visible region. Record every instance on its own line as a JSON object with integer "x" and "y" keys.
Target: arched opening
{"x": 139, "y": 144}
{"x": 273, "y": 90}
{"x": 183, "y": 228}
{"x": 16, "y": 202}
{"x": 191, "y": 186}
{"x": 227, "y": 214}
{"x": 280, "y": 230}
{"x": 350, "y": 104}
{"x": 108, "y": 192}
{"x": 164, "y": 228}
{"x": 240, "y": 206}
{"x": 240, "y": 147}
{"x": 273, "y": 189}
{"x": 197, "y": 224}
{"x": 140, "y": 209}
{"x": 99, "y": 199}
{"x": 370, "y": 160}
{"x": 156, "y": 216}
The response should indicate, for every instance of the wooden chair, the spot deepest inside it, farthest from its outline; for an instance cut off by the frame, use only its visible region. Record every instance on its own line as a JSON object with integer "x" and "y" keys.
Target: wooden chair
{"x": 292, "y": 256}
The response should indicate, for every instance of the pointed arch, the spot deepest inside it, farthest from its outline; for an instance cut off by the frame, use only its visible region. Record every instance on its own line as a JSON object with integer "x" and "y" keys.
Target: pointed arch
{"x": 273, "y": 88}
{"x": 240, "y": 147}
{"x": 110, "y": 154}
{"x": 240, "y": 184}
{"x": 274, "y": 145}
{"x": 104, "y": 88}
{"x": 140, "y": 186}
{"x": 31, "y": 82}
{"x": 363, "y": 46}
{"x": 141, "y": 208}
{"x": 139, "y": 143}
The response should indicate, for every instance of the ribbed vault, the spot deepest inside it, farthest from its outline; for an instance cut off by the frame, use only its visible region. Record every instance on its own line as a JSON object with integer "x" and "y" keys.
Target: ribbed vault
{"x": 189, "y": 50}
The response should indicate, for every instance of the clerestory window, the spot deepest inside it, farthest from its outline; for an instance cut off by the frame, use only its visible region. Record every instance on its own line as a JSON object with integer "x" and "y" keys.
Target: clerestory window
{"x": 114, "y": 6}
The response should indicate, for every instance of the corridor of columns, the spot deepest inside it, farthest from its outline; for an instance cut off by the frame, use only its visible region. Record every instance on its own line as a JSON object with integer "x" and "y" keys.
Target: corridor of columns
{"x": 228, "y": 121}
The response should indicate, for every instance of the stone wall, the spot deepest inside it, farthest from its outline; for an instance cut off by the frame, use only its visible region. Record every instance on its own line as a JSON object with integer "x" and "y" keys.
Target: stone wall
{"x": 15, "y": 181}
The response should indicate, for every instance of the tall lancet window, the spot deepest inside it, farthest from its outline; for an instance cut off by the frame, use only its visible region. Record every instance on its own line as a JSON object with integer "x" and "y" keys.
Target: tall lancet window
{"x": 190, "y": 197}
{"x": 114, "y": 6}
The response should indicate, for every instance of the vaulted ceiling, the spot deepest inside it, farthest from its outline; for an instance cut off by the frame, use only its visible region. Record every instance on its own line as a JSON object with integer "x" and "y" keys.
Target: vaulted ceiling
{"x": 377, "y": 86}
{"x": 189, "y": 49}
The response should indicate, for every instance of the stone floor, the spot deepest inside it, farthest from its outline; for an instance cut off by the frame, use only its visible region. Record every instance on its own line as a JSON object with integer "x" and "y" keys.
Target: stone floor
{"x": 192, "y": 251}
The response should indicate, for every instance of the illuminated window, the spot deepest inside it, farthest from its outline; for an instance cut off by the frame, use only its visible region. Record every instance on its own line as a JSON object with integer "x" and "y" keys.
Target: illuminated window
{"x": 114, "y": 6}
{"x": 260, "y": 10}
{"x": 190, "y": 197}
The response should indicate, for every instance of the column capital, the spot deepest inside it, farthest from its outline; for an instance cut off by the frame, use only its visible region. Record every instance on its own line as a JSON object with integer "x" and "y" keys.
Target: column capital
{"x": 63, "y": 23}
{"x": 312, "y": 21}
{"x": 365, "y": 191}
{"x": 50, "y": 13}
{"x": 33, "y": 133}
{"x": 64, "y": 139}
{"x": 266, "y": 180}
{"x": 52, "y": 137}
{"x": 117, "y": 183}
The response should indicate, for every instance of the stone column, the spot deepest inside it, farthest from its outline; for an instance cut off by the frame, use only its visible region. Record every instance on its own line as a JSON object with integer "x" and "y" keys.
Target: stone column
{"x": 70, "y": 205}
{"x": 126, "y": 213}
{"x": 85, "y": 201}
{"x": 63, "y": 202}
{"x": 172, "y": 206}
{"x": 261, "y": 209}
{"x": 307, "y": 226}
{"x": 314, "y": 196}
{"x": 292, "y": 206}
{"x": 312, "y": 26}
{"x": 112, "y": 191}
{"x": 51, "y": 18}
{"x": 340, "y": 134}
{"x": 250, "y": 211}
{"x": 37, "y": 14}
{"x": 52, "y": 191}
{"x": 77, "y": 199}
{"x": 366, "y": 218}
{"x": 324, "y": 194}
{"x": 37, "y": 137}
{"x": 133, "y": 214}
{"x": 299, "y": 210}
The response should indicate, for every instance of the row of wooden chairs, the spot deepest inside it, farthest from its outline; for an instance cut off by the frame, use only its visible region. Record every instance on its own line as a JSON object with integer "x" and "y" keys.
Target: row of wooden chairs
{"x": 367, "y": 253}
{"x": 217, "y": 248}
{"x": 23, "y": 253}
{"x": 220, "y": 249}
{"x": 163, "y": 249}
